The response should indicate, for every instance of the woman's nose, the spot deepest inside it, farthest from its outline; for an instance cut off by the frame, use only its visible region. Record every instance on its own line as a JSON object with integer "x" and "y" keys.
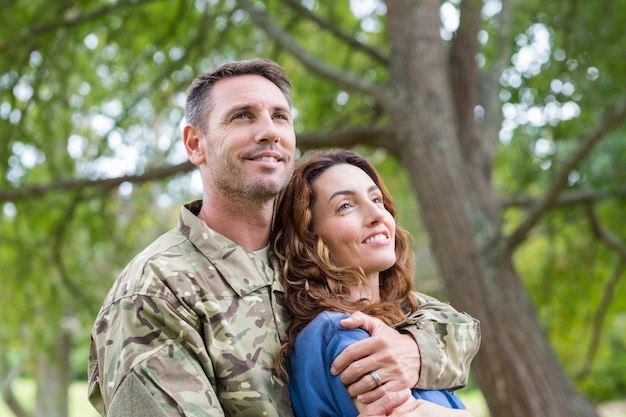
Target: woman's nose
{"x": 375, "y": 213}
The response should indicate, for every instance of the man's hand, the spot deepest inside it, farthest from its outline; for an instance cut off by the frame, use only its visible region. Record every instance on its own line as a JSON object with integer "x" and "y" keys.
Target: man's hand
{"x": 394, "y": 356}
{"x": 401, "y": 404}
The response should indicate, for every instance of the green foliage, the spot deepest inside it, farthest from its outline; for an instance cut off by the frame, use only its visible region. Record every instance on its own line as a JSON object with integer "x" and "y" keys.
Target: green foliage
{"x": 95, "y": 89}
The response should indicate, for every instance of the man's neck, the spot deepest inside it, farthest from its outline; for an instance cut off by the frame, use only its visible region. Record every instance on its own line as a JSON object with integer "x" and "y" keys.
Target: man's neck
{"x": 247, "y": 224}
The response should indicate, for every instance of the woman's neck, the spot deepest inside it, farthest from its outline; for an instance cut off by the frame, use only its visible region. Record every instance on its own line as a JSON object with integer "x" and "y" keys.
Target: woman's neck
{"x": 369, "y": 291}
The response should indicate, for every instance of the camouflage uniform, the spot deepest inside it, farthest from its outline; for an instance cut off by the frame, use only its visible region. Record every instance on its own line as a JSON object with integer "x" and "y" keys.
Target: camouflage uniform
{"x": 448, "y": 341}
{"x": 191, "y": 326}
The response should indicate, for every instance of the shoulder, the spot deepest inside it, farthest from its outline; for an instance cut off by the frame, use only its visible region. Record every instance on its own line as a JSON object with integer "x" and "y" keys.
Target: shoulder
{"x": 325, "y": 333}
{"x": 165, "y": 257}
{"x": 326, "y": 320}
{"x": 314, "y": 391}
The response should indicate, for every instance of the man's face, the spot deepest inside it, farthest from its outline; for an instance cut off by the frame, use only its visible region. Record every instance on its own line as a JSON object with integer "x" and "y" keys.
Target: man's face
{"x": 249, "y": 142}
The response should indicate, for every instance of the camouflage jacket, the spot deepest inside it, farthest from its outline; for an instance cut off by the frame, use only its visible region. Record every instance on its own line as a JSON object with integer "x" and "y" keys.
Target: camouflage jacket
{"x": 191, "y": 326}
{"x": 448, "y": 341}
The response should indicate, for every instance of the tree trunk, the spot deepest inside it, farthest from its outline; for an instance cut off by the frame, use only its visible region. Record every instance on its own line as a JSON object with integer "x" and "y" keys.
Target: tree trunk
{"x": 54, "y": 378}
{"x": 516, "y": 368}
{"x": 8, "y": 394}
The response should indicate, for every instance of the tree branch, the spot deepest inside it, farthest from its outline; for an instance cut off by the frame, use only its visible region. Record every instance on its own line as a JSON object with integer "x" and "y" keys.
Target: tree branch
{"x": 337, "y": 31}
{"x": 609, "y": 287}
{"x": 286, "y": 42}
{"x": 57, "y": 259}
{"x": 464, "y": 78}
{"x": 25, "y": 193}
{"x": 373, "y": 136}
{"x": 489, "y": 89}
{"x": 587, "y": 142}
{"x": 66, "y": 23}
{"x": 8, "y": 395}
{"x": 565, "y": 199}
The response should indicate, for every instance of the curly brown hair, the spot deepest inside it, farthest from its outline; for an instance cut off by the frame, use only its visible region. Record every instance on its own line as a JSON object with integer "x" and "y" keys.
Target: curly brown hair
{"x": 311, "y": 281}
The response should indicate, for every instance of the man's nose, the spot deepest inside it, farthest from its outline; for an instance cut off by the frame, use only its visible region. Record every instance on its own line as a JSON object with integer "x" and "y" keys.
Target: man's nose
{"x": 267, "y": 130}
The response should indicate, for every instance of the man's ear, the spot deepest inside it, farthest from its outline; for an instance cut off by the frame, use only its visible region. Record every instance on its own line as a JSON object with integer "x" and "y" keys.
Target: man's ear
{"x": 192, "y": 138}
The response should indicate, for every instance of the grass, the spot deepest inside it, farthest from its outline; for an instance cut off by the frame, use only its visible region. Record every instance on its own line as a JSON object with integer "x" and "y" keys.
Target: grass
{"x": 474, "y": 401}
{"x": 79, "y": 405}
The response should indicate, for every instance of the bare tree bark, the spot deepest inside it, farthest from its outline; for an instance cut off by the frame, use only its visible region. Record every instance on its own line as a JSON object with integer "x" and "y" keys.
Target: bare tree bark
{"x": 516, "y": 368}
{"x": 8, "y": 395}
{"x": 54, "y": 379}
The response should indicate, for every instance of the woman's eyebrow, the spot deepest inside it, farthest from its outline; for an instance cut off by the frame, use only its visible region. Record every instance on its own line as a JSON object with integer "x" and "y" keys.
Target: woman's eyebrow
{"x": 341, "y": 193}
{"x": 349, "y": 192}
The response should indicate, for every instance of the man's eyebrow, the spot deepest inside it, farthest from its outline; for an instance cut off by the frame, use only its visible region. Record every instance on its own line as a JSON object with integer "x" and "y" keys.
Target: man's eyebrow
{"x": 231, "y": 112}
{"x": 249, "y": 107}
{"x": 236, "y": 109}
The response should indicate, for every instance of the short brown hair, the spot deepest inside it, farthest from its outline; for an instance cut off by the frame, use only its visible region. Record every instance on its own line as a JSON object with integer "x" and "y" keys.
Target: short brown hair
{"x": 199, "y": 93}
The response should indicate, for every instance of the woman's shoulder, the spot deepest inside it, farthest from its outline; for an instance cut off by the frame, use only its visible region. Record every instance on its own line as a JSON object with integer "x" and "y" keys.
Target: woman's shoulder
{"x": 325, "y": 321}
{"x": 326, "y": 329}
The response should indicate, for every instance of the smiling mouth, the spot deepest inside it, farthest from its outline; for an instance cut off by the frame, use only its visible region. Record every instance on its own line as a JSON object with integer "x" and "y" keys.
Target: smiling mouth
{"x": 266, "y": 159}
{"x": 376, "y": 238}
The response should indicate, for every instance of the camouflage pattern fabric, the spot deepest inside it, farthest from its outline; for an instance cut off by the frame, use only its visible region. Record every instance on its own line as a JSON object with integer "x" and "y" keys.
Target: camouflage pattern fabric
{"x": 194, "y": 321}
{"x": 448, "y": 341}
{"x": 196, "y": 318}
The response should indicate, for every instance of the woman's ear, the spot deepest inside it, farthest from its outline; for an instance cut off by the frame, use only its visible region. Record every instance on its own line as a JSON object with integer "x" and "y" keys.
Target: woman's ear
{"x": 192, "y": 138}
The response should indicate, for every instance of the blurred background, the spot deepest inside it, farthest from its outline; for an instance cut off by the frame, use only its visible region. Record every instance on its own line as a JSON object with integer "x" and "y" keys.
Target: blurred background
{"x": 499, "y": 127}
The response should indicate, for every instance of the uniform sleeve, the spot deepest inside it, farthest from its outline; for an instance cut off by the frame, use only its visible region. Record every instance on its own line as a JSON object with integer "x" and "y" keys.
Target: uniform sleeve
{"x": 147, "y": 359}
{"x": 448, "y": 341}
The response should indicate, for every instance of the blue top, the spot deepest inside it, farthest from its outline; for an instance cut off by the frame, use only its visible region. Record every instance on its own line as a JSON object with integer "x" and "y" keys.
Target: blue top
{"x": 314, "y": 391}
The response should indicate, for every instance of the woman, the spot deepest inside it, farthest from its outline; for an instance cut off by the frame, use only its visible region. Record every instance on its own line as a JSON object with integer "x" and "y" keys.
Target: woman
{"x": 341, "y": 251}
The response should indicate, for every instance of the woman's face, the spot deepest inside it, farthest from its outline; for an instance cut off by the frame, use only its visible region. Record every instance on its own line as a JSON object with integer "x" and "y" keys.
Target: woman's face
{"x": 349, "y": 215}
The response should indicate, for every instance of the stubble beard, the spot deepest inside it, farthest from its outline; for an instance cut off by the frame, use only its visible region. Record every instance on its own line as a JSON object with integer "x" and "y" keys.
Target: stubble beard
{"x": 251, "y": 190}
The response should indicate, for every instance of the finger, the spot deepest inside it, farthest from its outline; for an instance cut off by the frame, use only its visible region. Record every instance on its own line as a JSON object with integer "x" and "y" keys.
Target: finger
{"x": 394, "y": 357}
{"x": 410, "y": 409}
{"x": 385, "y": 405}
{"x": 358, "y": 319}
{"x": 367, "y": 389}
{"x": 352, "y": 358}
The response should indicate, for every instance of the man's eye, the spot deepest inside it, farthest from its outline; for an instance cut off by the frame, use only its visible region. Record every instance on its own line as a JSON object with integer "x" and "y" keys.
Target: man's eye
{"x": 241, "y": 116}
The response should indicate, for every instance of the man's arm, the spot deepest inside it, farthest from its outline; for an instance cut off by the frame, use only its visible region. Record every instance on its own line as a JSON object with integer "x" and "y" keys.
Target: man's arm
{"x": 448, "y": 341}
{"x": 433, "y": 351}
{"x": 142, "y": 362}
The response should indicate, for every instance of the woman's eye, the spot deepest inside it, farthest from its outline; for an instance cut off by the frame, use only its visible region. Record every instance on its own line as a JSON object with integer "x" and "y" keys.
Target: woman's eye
{"x": 343, "y": 207}
{"x": 378, "y": 200}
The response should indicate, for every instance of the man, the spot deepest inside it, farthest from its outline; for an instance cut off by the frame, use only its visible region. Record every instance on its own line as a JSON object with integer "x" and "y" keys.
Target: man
{"x": 191, "y": 326}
